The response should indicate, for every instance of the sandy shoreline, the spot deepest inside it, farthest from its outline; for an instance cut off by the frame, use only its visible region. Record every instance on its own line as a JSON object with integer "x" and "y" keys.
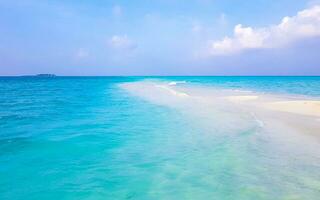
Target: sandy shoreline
{"x": 278, "y": 103}
{"x": 301, "y": 107}
{"x": 296, "y": 112}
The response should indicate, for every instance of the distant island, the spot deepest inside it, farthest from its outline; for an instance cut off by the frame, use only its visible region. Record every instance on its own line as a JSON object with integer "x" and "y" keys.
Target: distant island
{"x": 40, "y": 75}
{"x": 45, "y": 75}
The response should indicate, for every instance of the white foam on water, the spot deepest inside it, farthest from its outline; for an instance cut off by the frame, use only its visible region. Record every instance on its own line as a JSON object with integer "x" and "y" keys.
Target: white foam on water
{"x": 259, "y": 122}
{"x": 176, "y": 82}
{"x": 172, "y": 91}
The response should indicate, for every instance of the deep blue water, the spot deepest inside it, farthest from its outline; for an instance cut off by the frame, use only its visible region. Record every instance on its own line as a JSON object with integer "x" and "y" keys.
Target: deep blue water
{"x": 88, "y": 138}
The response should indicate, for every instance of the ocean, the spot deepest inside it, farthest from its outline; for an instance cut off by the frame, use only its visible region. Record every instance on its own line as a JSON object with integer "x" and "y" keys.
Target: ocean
{"x": 156, "y": 138}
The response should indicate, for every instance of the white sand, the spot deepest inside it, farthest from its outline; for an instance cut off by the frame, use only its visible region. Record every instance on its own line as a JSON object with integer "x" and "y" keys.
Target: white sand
{"x": 269, "y": 111}
{"x": 302, "y": 107}
{"x": 281, "y": 104}
{"x": 248, "y": 99}
{"x": 241, "y": 98}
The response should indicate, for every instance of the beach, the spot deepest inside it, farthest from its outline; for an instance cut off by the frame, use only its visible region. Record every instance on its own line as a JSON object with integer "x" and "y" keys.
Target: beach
{"x": 255, "y": 104}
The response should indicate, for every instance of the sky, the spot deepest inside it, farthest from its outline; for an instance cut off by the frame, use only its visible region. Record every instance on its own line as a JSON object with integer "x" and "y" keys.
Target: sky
{"x": 160, "y": 37}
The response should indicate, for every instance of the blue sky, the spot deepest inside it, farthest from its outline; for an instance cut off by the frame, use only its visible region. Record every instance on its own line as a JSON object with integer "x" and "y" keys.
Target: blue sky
{"x": 160, "y": 37}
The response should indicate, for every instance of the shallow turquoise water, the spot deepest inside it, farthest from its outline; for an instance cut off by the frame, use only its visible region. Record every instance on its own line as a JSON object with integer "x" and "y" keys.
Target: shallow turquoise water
{"x": 307, "y": 85}
{"x": 88, "y": 138}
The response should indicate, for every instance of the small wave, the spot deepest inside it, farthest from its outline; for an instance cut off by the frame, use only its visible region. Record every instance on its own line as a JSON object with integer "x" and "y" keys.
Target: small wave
{"x": 176, "y": 82}
{"x": 172, "y": 91}
{"x": 259, "y": 122}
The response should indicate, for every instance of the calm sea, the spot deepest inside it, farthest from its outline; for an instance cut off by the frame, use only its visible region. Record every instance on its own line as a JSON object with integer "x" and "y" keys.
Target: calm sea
{"x": 88, "y": 138}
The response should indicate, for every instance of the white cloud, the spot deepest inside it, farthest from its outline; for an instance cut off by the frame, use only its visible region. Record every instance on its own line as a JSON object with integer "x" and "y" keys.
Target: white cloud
{"x": 305, "y": 24}
{"x": 122, "y": 42}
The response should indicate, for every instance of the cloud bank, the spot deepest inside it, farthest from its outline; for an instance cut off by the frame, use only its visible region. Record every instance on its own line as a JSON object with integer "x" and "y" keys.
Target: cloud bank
{"x": 305, "y": 24}
{"x": 122, "y": 42}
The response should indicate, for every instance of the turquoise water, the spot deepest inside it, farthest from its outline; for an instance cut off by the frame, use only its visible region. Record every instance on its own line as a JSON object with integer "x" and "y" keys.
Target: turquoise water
{"x": 307, "y": 85}
{"x": 89, "y": 138}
